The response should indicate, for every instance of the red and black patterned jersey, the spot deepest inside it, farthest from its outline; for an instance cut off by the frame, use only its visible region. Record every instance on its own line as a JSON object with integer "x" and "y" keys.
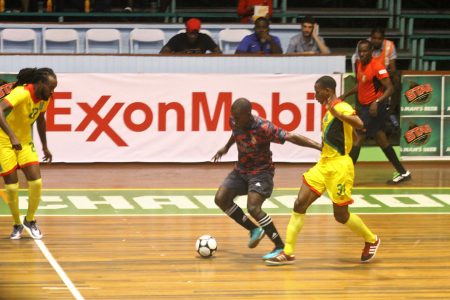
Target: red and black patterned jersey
{"x": 254, "y": 145}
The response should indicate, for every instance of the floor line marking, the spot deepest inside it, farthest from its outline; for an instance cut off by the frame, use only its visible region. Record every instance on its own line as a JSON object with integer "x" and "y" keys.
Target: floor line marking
{"x": 76, "y": 294}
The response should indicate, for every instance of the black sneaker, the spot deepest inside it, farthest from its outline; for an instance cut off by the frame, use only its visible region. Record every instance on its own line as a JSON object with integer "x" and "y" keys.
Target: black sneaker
{"x": 16, "y": 234}
{"x": 32, "y": 228}
{"x": 398, "y": 178}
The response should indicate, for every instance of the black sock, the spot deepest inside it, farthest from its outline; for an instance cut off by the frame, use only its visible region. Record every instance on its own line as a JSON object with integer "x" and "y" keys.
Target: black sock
{"x": 270, "y": 230}
{"x": 237, "y": 214}
{"x": 392, "y": 156}
{"x": 354, "y": 153}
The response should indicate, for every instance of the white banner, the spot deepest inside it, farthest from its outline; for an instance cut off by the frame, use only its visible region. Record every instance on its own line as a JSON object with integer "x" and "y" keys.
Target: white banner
{"x": 173, "y": 117}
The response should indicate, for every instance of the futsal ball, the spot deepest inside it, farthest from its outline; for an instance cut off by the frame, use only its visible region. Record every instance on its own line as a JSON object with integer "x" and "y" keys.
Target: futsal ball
{"x": 206, "y": 245}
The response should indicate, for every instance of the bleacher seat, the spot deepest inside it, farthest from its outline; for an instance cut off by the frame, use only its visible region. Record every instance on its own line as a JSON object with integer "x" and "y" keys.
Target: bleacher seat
{"x": 18, "y": 41}
{"x": 103, "y": 41}
{"x": 60, "y": 41}
{"x": 229, "y": 39}
{"x": 148, "y": 41}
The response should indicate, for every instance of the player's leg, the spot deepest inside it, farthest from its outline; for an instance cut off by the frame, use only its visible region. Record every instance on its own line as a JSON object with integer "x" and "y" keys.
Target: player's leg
{"x": 260, "y": 187}
{"x": 339, "y": 188}
{"x": 311, "y": 189}
{"x": 360, "y": 136}
{"x": 28, "y": 160}
{"x": 402, "y": 174}
{"x": 232, "y": 186}
{"x": 8, "y": 166}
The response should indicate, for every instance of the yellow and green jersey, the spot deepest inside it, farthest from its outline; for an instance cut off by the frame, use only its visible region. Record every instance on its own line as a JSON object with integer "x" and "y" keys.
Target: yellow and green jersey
{"x": 24, "y": 110}
{"x": 337, "y": 136}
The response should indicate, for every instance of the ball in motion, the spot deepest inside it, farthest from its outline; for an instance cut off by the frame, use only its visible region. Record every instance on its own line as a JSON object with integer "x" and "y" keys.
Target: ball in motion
{"x": 206, "y": 245}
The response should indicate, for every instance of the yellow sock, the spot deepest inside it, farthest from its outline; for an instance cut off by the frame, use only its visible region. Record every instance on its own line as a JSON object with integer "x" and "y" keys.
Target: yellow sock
{"x": 34, "y": 197}
{"x": 293, "y": 229}
{"x": 357, "y": 226}
{"x": 12, "y": 195}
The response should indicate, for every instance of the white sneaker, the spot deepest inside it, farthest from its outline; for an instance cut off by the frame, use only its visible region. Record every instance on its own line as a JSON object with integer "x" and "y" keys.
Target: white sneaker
{"x": 33, "y": 229}
{"x": 398, "y": 178}
{"x": 16, "y": 234}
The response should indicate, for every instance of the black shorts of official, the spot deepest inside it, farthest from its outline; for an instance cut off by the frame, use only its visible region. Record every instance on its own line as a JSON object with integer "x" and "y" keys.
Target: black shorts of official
{"x": 372, "y": 124}
{"x": 261, "y": 183}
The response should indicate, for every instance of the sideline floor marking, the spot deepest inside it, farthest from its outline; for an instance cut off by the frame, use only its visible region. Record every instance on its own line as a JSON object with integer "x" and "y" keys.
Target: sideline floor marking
{"x": 76, "y": 294}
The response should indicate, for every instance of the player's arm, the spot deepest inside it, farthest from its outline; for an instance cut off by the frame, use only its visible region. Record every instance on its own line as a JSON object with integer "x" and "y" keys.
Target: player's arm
{"x": 222, "y": 151}
{"x": 353, "y": 91}
{"x": 4, "y": 105}
{"x": 302, "y": 141}
{"x": 352, "y": 119}
{"x": 42, "y": 130}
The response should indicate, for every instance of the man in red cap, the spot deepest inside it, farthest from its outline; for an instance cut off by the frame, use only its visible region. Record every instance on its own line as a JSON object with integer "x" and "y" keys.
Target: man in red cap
{"x": 192, "y": 41}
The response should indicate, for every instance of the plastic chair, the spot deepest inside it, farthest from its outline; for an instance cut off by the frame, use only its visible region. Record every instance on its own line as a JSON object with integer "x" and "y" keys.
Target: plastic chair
{"x": 146, "y": 40}
{"x": 60, "y": 41}
{"x": 103, "y": 41}
{"x": 18, "y": 41}
{"x": 229, "y": 39}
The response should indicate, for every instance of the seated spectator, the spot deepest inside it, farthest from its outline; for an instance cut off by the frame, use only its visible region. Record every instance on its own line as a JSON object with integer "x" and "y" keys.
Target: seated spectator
{"x": 246, "y": 9}
{"x": 308, "y": 40}
{"x": 260, "y": 42}
{"x": 192, "y": 41}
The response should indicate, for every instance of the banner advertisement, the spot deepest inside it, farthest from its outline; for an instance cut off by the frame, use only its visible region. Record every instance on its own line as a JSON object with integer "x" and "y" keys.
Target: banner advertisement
{"x": 421, "y": 95}
{"x": 174, "y": 117}
{"x": 421, "y": 136}
{"x": 422, "y": 113}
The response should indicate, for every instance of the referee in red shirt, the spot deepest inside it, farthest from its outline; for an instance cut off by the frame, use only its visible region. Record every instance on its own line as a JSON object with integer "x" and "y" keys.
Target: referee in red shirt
{"x": 374, "y": 88}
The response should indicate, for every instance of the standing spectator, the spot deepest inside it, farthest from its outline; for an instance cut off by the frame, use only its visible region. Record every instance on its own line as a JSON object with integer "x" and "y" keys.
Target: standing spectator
{"x": 385, "y": 53}
{"x": 192, "y": 41}
{"x": 246, "y": 9}
{"x": 260, "y": 42}
{"x": 253, "y": 172}
{"x": 374, "y": 88}
{"x": 308, "y": 40}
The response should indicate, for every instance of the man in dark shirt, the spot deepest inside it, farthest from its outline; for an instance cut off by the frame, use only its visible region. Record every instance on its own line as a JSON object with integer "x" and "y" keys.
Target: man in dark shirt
{"x": 253, "y": 172}
{"x": 260, "y": 42}
{"x": 192, "y": 41}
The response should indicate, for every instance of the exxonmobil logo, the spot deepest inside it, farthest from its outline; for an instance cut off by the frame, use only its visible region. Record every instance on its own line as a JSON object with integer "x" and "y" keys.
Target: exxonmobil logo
{"x": 204, "y": 114}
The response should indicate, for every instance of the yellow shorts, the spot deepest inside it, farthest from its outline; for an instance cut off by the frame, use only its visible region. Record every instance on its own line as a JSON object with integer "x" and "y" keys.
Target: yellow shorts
{"x": 11, "y": 159}
{"x": 335, "y": 175}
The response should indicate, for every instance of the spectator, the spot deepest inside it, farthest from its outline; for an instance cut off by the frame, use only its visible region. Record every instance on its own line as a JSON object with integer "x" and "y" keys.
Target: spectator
{"x": 260, "y": 42}
{"x": 192, "y": 41}
{"x": 246, "y": 9}
{"x": 385, "y": 53}
{"x": 308, "y": 40}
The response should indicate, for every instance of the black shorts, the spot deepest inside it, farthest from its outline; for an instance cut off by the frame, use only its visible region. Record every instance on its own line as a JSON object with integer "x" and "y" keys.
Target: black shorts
{"x": 372, "y": 124}
{"x": 261, "y": 183}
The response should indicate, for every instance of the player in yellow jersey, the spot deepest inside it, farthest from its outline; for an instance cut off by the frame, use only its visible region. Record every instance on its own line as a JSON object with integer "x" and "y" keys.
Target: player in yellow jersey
{"x": 25, "y": 104}
{"x": 333, "y": 173}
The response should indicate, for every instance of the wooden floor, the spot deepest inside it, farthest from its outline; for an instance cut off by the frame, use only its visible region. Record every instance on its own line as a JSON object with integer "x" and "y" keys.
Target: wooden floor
{"x": 154, "y": 258}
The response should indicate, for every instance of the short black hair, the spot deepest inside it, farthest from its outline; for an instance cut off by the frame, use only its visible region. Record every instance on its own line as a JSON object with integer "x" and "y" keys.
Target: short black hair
{"x": 379, "y": 30}
{"x": 263, "y": 19}
{"x": 308, "y": 19}
{"x": 327, "y": 82}
{"x": 241, "y": 105}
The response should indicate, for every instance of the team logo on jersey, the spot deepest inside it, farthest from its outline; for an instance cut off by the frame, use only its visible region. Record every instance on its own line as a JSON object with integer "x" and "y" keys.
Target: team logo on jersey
{"x": 363, "y": 78}
{"x": 418, "y": 135}
{"x": 419, "y": 93}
